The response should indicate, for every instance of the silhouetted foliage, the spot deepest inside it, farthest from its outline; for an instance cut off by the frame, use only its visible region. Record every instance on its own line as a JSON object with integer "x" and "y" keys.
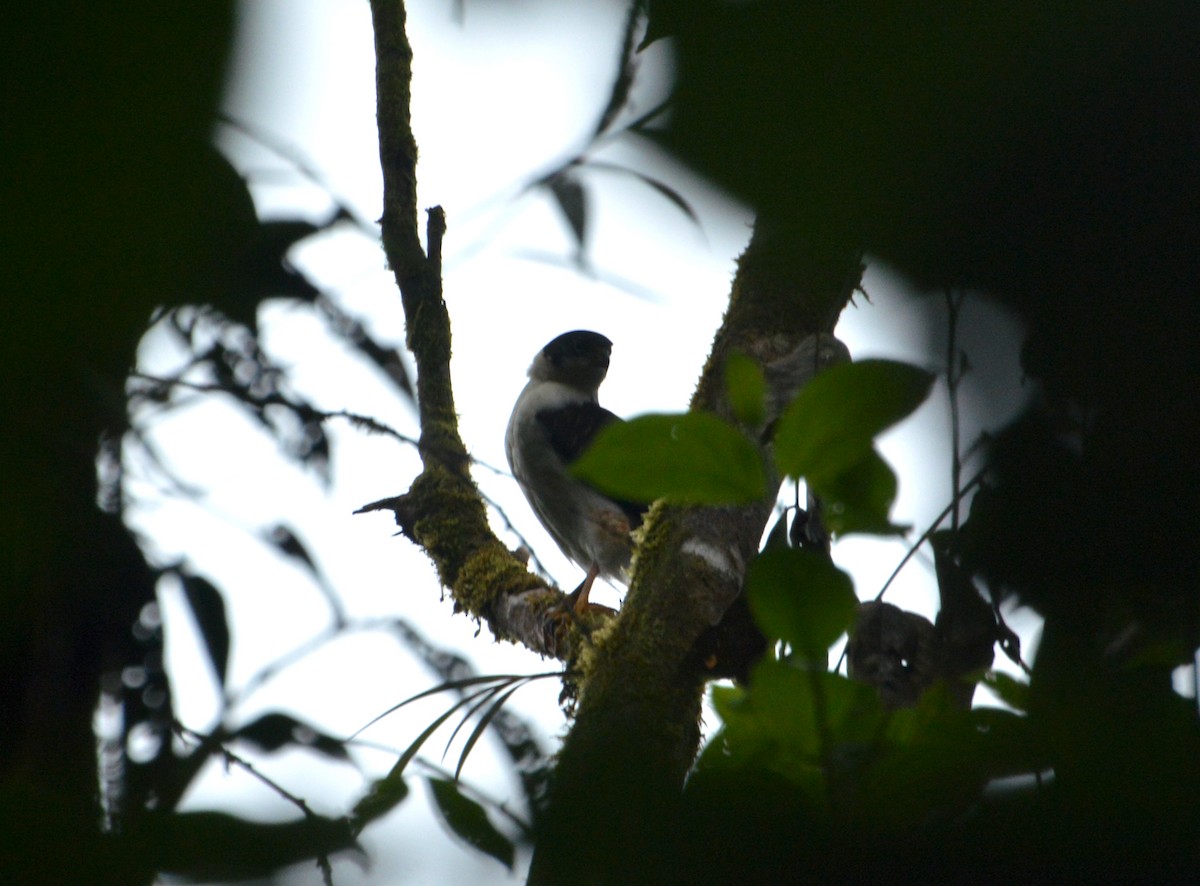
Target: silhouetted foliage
{"x": 1043, "y": 153}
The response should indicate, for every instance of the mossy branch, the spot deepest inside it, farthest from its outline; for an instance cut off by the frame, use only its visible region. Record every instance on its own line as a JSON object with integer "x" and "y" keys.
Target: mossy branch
{"x": 443, "y": 511}
{"x": 637, "y": 730}
{"x": 636, "y": 733}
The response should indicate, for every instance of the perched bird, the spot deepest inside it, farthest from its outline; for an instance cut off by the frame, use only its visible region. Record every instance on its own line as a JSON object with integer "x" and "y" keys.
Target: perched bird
{"x": 554, "y": 420}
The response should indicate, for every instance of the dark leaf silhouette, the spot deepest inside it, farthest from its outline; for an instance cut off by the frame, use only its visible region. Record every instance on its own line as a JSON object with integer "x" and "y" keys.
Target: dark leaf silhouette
{"x": 572, "y": 201}
{"x": 282, "y": 537}
{"x": 661, "y": 187}
{"x": 208, "y": 608}
{"x": 384, "y": 357}
{"x": 216, "y": 846}
{"x": 627, "y": 66}
{"x": 470, "y": 822}
{"x": 272, "y": 732}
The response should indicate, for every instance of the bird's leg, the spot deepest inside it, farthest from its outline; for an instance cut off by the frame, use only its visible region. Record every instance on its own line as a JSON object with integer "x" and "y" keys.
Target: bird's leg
{"x": 578, "y": 610}
{"x": 578, "y": 598}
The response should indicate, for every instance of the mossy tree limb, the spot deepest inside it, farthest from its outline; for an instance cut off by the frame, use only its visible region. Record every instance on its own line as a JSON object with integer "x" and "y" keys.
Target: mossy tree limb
{"x": 443, "y": 511}
{"x": 637, "y": 726}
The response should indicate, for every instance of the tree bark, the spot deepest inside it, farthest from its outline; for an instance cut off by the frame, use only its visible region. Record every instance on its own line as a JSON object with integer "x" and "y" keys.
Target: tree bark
{"x": 637, "y": 730}
{"x": 443, "y": 511}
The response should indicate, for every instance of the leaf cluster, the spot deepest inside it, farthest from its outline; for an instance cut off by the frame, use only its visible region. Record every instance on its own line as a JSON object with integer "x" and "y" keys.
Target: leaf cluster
{"x": 838, "y": 775}
{"x": 223, "y": 357}
{"x": 826, "y": 436}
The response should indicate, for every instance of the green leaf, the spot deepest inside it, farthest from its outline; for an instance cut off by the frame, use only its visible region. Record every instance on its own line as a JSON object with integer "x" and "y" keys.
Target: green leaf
{"x": 1010, "y": 690}
{"x": 773, "y": 722}
{"x": 726, "y": 699}
{"x": 800, "y": 597}
{"x": 781, "y": 720}
{"x": 468, "y": 820}
{"x": 860, "y": 497}
{"x": 747, "y": 389}
{"x": 831, "y": 424}
{"x": 1013, "y": 745}
{"x": 935, "y": 763}
{"x": 689, "y": 458}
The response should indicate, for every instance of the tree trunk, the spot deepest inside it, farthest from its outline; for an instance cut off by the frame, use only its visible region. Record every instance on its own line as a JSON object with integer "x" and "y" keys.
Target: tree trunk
{"x": 637, "y": 727}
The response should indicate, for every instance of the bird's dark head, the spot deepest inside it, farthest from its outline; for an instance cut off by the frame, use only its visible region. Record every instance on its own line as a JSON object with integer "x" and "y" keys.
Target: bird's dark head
{"x": 578, "y": 358}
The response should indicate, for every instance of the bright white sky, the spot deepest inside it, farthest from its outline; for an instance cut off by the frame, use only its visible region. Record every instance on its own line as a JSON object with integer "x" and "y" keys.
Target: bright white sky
{"x": 497, "y": 100}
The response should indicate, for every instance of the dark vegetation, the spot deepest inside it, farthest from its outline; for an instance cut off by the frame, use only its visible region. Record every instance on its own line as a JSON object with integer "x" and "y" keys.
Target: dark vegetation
{"x": 1043, "y": 153}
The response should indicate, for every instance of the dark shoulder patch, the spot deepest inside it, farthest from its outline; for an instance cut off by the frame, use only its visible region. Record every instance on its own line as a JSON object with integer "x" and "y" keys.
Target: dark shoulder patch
{"x": 571, "y": 429}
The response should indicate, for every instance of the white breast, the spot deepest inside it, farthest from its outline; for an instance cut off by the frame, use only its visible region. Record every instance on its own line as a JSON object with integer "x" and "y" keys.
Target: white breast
{"x": 587, "y": 526}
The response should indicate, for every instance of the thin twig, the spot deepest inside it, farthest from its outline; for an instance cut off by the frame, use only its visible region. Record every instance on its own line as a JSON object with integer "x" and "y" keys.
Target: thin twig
{"x": 232, "y": 758}
{"x": 293, "y": 155}
{"x": 269, "y": 671}
{"x": 361, "y": 422}
{"x": 916, "y": 546}
{"x": 954, "y": 303}
{"x": 299, "y": 802}
{"x": 946, "y": 511}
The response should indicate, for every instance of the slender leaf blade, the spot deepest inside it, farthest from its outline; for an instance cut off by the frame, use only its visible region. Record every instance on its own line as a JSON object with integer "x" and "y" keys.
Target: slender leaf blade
{"x": 481, "y": 726}
{"x": 470, "y": 822}
{"x": 485, "y": 697}
{"x": 449, "y": 685}
{"x": 800, "y": 597}
{"x": 388, "y": 791}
